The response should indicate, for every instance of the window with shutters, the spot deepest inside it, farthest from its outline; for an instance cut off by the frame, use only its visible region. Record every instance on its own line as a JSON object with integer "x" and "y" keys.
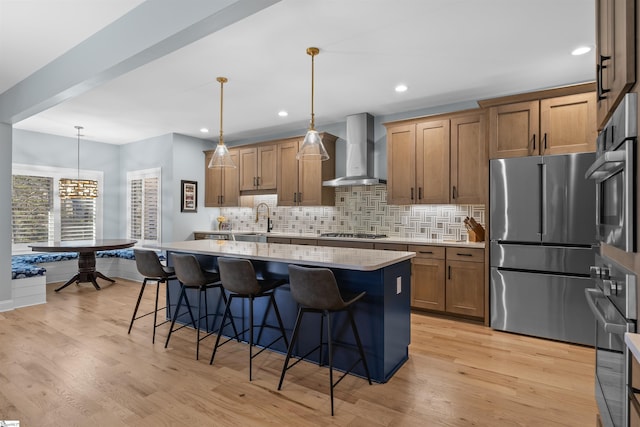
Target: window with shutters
{"x": 143, "y": 206}
{"x": 40, "y": 215}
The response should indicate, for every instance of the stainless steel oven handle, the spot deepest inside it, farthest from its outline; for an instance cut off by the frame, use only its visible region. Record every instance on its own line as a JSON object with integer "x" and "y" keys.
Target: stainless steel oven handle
{"x": 611, "y": 328}
{"x": 606, "y": 165}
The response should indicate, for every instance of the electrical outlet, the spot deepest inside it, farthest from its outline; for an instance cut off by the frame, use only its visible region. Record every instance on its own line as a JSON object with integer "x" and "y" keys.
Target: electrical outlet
{"x": 398, "y": 285}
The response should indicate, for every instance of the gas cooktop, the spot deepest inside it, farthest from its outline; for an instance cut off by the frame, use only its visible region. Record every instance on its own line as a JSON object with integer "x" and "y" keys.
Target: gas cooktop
{"x": 355, "y": 235}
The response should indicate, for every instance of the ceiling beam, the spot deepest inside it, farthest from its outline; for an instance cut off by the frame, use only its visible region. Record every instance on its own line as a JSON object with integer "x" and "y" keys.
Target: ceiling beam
{"x": 153, "y": 29}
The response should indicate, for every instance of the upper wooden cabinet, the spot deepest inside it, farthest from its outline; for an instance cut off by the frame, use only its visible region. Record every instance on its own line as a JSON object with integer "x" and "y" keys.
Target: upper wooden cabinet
{"x": 564, "y": 124}
{"x": 437, "y": 160}
{"x": 615, "y": 54}
{"x": 221, "y": 187}
{"x": 258, "y": 168}
{"x": 300, "y": 181}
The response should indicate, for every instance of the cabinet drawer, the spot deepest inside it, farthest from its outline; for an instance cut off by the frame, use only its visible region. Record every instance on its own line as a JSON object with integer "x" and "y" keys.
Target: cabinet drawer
{"x": 465, "y": 254}
{"x": 309, "y": 242}
{"x": 346, "y": 244}
{"x": 635, "y": 372}
{"x": 390, "y": 246}
{"x": 278, "y": 240}
{"x": 634, "y": 410}
{"x": 428, "y": 252}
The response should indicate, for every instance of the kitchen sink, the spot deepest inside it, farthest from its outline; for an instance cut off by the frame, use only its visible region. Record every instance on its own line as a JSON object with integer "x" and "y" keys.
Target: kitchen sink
{"x": 250, "y": 237}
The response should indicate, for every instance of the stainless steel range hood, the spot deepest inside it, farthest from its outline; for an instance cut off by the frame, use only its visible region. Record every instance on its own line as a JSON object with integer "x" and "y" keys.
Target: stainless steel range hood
{"x": 359, "y": 153}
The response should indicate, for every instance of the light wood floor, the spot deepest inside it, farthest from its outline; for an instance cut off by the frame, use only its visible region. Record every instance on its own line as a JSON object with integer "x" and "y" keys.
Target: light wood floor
{"x": 70, "y": 362}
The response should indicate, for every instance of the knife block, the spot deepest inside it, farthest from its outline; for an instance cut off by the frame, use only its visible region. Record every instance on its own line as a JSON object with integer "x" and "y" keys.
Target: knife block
{"x": 476, "y": 236}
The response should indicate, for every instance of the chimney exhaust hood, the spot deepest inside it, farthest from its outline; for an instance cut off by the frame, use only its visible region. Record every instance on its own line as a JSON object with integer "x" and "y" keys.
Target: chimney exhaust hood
{"x": 359, "y": 155}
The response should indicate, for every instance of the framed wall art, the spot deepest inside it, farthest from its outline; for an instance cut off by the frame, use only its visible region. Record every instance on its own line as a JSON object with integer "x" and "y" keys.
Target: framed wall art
{"x": 189, "y": 196}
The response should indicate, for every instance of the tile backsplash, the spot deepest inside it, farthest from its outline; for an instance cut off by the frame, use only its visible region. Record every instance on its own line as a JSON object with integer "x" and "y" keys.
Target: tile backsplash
{"x": 359, "y": 209}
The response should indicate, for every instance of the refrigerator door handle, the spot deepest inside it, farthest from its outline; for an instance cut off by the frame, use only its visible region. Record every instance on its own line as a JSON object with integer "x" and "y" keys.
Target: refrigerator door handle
{"x": 542, "y": 176}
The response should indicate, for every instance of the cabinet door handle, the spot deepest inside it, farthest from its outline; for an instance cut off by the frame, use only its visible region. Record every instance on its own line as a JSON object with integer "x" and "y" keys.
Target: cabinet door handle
{"x": 454, "y": 193}
{"x": 255, "y": 181}
{"x": 425, "y": 252}
{"x": 544, "y": 143}
{"x": 600, "y": 87}
{"x": 460, "y": 254}
{"x": 533, "y": 144}
{"x": 258, "y": 180}
{"x": 449, "y": 272}
{"x": 411, "y": 193}
{"x": 299, "y": 197}
{"x": 222, "y": 199}
{"x": 295, "y": 197}
{"x": 419, "y": 193}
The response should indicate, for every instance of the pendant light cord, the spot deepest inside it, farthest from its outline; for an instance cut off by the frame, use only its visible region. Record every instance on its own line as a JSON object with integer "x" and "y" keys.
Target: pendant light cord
{"x": 79, "y": 128}
{"x": 222, "y": 81}
{"x": 313, "y": 51}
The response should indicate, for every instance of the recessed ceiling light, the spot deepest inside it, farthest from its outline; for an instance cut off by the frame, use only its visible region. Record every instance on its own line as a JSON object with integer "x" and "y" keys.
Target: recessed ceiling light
{"x": 580, "y": 50}
{"x": 283, "y": 113}
{"x": 204, "y": 130}
{"x": 401, "y": 88}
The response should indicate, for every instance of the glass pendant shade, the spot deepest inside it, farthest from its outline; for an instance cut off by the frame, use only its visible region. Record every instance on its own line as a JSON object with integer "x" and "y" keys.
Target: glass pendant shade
{"x": 221, "y": 158}
{"x": 312, "y": 147}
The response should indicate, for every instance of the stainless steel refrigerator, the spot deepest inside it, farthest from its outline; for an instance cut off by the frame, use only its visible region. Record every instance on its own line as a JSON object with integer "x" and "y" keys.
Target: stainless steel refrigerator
{"x": 542, "y": 242}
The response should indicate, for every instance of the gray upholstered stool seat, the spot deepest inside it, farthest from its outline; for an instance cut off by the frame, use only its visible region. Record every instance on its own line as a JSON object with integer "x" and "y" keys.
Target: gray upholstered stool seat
{"x": 150, "y": 267}
{"x": 192, "y": 276}
{"x": 316, "y": 291}
{"x": 239, "y": 279}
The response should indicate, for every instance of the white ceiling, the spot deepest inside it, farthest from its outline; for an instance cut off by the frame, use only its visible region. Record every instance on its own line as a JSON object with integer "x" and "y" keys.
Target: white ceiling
{"x": 445, "y": 51}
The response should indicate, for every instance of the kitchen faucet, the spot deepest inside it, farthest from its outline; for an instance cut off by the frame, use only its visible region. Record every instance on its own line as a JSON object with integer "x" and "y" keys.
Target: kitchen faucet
{"x": 269, "y": 223}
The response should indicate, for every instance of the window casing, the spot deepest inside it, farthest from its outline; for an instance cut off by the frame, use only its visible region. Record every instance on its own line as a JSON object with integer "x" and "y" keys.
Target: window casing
{"x": 38, "y": 213}
{"x": 144, "y": 206}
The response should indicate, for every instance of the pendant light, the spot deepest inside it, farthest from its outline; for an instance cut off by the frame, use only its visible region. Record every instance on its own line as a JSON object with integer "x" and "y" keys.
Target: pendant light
{"x": 78, "y": 188}
{"x": 221, "y": 157}
{"x": 312, "y": 148}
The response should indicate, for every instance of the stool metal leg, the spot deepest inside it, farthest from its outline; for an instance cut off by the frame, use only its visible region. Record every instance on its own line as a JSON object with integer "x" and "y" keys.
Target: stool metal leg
{"x": 198, "y": 325}
{"x": 227, "y": 311}
{"x": 135, "y": 310}
{"x": 250, "y": 336}
{"x": 155, "y": 312}
{"x": 183, "y": 295}
{"x": 294, "y": 338}
{"x": 330, "y": 350}
{"x": 357, "y": 336}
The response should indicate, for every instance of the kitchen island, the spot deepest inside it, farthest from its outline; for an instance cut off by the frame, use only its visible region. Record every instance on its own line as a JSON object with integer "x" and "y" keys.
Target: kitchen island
{"x": 382, "y": 316}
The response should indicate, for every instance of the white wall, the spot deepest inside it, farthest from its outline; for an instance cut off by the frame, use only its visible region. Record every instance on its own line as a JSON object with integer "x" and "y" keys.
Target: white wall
{"x": 5, "y": 217}
{"x": 188, "y": 164}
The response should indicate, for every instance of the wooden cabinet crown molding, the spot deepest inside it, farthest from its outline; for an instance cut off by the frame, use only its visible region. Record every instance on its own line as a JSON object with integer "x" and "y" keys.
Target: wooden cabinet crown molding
{"x": 538, "y": 95}
{"x": 438, "y": 116}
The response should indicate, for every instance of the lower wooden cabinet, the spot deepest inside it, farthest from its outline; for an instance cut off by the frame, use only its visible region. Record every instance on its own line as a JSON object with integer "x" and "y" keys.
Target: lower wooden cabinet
{"x": 465, "y": 281}
{"x": 443, "y": 279}
{"x": 634, "y": 399}
{"x": 449, "y": 280}
{"x": 427, "y": 277}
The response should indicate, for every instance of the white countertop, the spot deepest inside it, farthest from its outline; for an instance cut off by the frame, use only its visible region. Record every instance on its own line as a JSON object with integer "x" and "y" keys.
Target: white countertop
{"x": 400, "y": 240}
{"x": 321, "y": 256}
{"x": 633, "y": 342}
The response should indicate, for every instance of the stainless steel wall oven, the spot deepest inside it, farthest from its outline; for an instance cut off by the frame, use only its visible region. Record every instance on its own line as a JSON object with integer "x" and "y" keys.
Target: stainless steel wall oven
{"x": 614, "y": 171}
{"x": 613, "y": 303}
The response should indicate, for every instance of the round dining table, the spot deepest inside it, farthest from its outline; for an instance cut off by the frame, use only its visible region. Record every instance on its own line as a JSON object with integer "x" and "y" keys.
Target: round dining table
{"x": 86, "y": 250}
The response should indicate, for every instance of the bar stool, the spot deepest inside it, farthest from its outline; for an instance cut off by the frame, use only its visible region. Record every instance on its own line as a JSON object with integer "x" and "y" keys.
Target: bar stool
{"x": 239, "y": 279}
{"x": 149, "y": 266}
{"x": 192, "y": 276}
{"x": 316, "y": 291}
